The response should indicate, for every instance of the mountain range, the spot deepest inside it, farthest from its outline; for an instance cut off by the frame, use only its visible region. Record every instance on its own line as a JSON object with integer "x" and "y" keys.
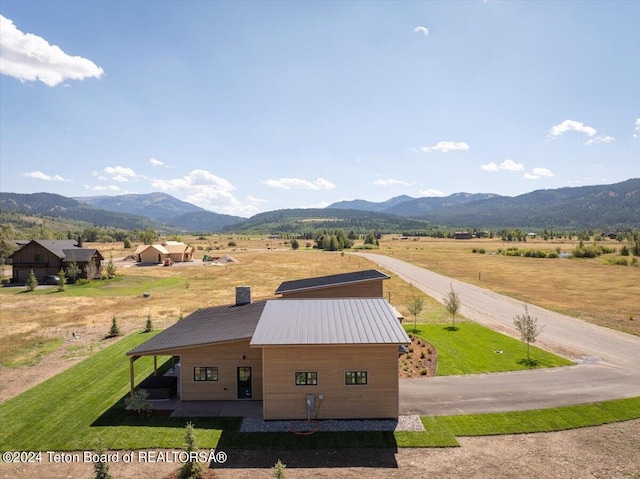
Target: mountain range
{"x": 615, "y": 206}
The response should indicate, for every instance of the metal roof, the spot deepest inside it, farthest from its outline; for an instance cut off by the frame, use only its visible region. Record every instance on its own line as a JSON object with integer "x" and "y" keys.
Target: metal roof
{"x": 206, "y": 326}
{"x": 332, "y": 280}
{"x": 328, "y": 321}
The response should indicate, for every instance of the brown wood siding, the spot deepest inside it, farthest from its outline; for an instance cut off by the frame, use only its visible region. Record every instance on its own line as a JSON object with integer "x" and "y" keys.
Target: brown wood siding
{"x": 369, "y": 289}
{"x": 284, "y": 400}
{"x": 227, "y": 357}
{"x": 24, "y": 260}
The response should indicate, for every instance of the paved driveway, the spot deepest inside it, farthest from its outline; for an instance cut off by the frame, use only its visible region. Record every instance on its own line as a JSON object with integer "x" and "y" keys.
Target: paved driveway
{"x": 608, "y": 361}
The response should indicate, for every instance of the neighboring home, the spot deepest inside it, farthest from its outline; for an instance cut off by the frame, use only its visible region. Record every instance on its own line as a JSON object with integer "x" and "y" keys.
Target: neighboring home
{"x": 357, "y": 284}
{"x": 177, "y": 251}
{"x": 47, "y": 257}
{"x": 460, "y": 235}
{"x": 321, "y": 358}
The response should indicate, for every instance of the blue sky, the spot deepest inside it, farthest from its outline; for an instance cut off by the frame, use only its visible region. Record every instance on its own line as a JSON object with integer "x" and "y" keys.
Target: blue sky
{"x": 243, "y": 107}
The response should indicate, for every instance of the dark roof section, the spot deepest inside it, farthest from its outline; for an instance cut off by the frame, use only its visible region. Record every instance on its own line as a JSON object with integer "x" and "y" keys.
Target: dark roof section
{"x": 57, "y": 247}
{"x": 81, "y": 255}
{"x": 206, "y": 326}
{"x": 332, "y": 280}
{"x": 66, "y": 250}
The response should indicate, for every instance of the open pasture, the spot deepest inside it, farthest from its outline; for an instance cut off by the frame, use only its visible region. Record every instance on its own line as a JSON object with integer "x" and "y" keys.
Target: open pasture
{"x": 589, "y": 289}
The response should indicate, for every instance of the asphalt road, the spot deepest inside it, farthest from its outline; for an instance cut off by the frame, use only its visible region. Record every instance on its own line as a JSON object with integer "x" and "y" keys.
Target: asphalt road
{"x": 608, "y": 361}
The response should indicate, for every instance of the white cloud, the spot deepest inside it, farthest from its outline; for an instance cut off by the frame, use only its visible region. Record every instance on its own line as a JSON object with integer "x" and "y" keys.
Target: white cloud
{"x": 431, "y": 192}
{"x": 29, "y": 57}
{"x": 446, "y": 146}
{"x": 571, "y": 125}
{"x": 390, "y": 182}
{"x": 207, "y": 191}
{"x": 120, "y": 173}
{"x": 636, "y": 128}
{"x": 600, "y": 139}
{"x": 103, "y": 188}
{"x": 39, "y": 175}
{"x": 155, "y": 162}
{"x": 253, "y": 199}
{"x": 508, "y": 165}
{"x": 538, "y": 173}
{"x": 300, "y": 184}
{"x": 423, "y": 30}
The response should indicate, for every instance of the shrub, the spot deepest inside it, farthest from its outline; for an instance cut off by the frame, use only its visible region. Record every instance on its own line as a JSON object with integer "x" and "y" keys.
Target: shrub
{"x": 100, "y": 467}
{"x": 231, "y": 244}
{"x": 278, "y": 470}
{"x": 422, "y": 355}
{"x": 423, "y": 372}
{"x": 62, "y": 281}
{"x": 82, "y": 281}
{"x": 481, "y": 251}
{"x": 138, "y": 402}
{"x": 624, "y": 251}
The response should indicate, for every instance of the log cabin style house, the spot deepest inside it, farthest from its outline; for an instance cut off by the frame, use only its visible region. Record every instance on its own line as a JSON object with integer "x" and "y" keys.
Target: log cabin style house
{"x": 48, "y": 257}
{"x": 330, "y": 355}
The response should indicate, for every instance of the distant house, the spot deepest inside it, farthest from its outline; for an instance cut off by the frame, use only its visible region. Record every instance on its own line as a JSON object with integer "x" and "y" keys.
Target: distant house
{"x": 48, "y": 257}
{"x": 462, "y": 235}
{"x": 320, "y": 357}
{"x": 177, "y": 251}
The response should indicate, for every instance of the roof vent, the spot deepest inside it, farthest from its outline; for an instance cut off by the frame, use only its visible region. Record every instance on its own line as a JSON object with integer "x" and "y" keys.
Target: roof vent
{"x": 243, "y": 295}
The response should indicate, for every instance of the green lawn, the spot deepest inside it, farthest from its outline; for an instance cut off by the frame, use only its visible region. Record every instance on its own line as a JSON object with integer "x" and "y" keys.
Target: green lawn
{"x": 472, "y": 349}
{"x": 118, "y": 286}
{"x": 71, "y": 410}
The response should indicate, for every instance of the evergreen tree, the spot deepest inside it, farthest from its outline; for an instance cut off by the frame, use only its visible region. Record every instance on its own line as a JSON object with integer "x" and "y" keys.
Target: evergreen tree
{"x": 100, "y": 467}
{"x": 32, "y": 282}
{"x": 115, "y": 330}
{"x": 190, "y": 469}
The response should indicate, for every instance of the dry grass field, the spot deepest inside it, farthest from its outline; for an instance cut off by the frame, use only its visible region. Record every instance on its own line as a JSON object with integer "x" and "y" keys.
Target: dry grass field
{"x": 590, "y": 289}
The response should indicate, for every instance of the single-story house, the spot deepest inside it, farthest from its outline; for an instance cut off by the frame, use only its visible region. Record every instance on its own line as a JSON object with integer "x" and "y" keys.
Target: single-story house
{"x": 357, "y": 284}
{"x": 319, "y": 357}
{"x": 48, "y": 257}
{"x": 177, "y": 251}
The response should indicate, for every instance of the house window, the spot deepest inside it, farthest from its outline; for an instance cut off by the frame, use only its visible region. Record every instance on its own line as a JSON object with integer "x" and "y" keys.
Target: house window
{"x": 355, "y": 377}
{"x": 306, "y": 378}
{"x": 38, "y": 258}
{"x": 205, "y": 373}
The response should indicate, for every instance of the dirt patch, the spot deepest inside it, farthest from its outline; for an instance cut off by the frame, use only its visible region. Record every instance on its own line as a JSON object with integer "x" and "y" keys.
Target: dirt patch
{"x": 419, "y": 360}
{"x": 609, "y": 451}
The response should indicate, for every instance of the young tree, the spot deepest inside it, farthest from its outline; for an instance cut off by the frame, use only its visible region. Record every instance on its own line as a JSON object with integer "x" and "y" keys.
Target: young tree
{"x": 452, "y": 303}
{"x": 111, "y": 268}
{"x": 32, "y": 282}
{"x": 529, "y": 330}
{"x": 101, "y": 467}
{"x": 192, "y": 468}
{"x": 73, "y": 270}
{"x": 415, "y": 307}
{"x": 115, "y": 330}
{"x": 62, "y": 281}
{"x": 149, "y": 325}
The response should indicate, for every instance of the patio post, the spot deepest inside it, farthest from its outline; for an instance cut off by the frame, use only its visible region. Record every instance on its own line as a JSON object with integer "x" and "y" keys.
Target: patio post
{"x": 155, "y": 365}
{"x": 132, "y": 373}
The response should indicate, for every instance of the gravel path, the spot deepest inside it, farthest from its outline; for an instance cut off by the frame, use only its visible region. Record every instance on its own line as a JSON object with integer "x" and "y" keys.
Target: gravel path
{"x": 404, "y": 423}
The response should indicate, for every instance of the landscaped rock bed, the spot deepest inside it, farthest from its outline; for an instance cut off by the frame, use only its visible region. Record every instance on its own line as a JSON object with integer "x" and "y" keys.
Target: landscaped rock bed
{"x": 420, "y": 360}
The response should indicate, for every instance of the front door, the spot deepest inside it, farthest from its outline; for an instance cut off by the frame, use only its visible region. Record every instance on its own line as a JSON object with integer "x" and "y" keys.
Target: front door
{"x": 244, "y": 382}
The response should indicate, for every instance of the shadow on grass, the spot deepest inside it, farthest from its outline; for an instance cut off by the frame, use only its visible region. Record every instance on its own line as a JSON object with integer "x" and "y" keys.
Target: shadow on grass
{"x": 451, "y": 328}
{"x": 530, "y": 363}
